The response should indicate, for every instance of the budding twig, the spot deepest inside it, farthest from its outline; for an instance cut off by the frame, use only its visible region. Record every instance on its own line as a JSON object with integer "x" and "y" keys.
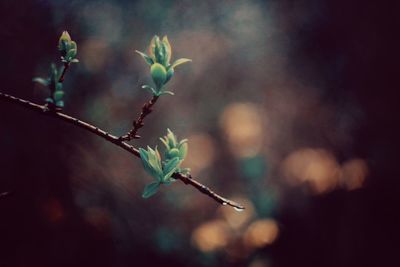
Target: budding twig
{"x": 116, "y": 141}
{"x": 139, "y": 122}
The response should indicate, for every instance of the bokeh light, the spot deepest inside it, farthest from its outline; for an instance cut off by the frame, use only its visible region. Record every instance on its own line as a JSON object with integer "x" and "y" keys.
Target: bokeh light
{"x": 354, "y": 173}
{"x": 243, "y": 127}
{"x": 261, "y": 233}
{"x": 316, "y": 167}
{"x": 211, "y": 236}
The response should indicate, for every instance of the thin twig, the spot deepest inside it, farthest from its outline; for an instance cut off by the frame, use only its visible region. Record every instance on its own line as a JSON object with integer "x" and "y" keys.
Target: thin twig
{"x": 139, "y": 122}
{"x": 66, "y": 66}
{"x": 116, "y": 141}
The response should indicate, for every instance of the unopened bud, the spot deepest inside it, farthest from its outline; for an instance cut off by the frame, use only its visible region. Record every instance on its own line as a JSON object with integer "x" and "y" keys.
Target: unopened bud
{"x": 159, "y": 74}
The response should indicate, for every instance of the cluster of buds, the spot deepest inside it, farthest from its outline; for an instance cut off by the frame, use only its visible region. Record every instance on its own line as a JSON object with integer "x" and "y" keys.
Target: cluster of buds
{"x": 159, "y": 57}
{"x": 162, "y": 170}
{"x": 67, "y": 48}
{"x": 55, "y": 87}
{"x": 173, "y": 147}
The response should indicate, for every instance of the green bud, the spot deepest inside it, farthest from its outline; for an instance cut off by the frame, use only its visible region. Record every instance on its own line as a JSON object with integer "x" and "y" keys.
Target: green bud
{"x": 67, "y": 48}
{"x": 170, "y": 73}
{"x": 160, "y": 51}
{"x": 64, "y": 43}
{"x": 65, "y": 36}
{"x": 159, "y": 74}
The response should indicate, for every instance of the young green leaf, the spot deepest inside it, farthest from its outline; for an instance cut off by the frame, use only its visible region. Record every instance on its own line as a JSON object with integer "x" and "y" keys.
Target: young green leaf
{"x": 155, "y": 161}
{"x": 166, "y": 93}
{"x": 165, "y": 142}
{"x": 42, "y": 81}
{"x": 146, "y": 58}
{"x": 151, "y": 89}
{"x": 180, "y": 62}
{"x": 71, "y": 54}
{"x": 58, "y": 95}
{"x": 170, "y": 168}
{"x": 171, "y": 138}
{"x": 150, "y": 189}
{"x": 168, "y": 50}
{"x": 60, "y": 104}
{"x": 144, "y": 156}
{"x": 170, "y": 73}
{"x": 172, "y": 153}
{"x": 183, "y": 149}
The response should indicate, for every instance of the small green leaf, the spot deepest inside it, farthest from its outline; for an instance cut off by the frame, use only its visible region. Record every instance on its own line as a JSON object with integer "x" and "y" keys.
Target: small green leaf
{"x": 144, "y": 156}
{"x": 165, "y": 142}
{"x": 75, "y": 60}
{"x": 159, "y": 51}
{"x": 150, "y": 189}
{"x": 151, "y": 89}
{"x": 71, "y": 54}
{"x": 167, "y": 93}
{"x": 59, "y": 86}
{"x": 58, "y": 95}
{"x": 152, "y": 47}
{"x": 73, "y": 45}
{"x": 180, "y": 62}
{"x": 183, "y": 149}
{"x": 168, "y": 50}
{"x": 171, "y": 138}
{"x": 49, "y": 100}
{"x": 170, "y": 168}
{"x": 172, "y": 153}
{"x": 146, "y": 58}
{"x": 170, "y": 73}
{"x": 42, "y": 81}
{"x": 60, "y": 104}
{"x": 154, "y": 161}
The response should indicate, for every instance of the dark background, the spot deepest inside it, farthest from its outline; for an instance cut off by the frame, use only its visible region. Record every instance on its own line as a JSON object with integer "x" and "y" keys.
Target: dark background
{"x": 289, "y": 106}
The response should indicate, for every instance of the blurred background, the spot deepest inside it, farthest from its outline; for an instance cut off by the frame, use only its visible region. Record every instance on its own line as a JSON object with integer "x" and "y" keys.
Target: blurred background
{"x": 289, "y": 107}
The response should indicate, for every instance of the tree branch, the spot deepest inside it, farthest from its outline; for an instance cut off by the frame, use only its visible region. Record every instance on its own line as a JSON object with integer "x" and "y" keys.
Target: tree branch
{"x": 139, "y": 122}
{"x": 116, "y": 141}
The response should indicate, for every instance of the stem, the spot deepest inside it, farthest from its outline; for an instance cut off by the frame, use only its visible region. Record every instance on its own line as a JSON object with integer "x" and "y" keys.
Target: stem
{"x": 139, "y": 122}
{"x": 66, "y": 66}
{"x": 116, "y": 141}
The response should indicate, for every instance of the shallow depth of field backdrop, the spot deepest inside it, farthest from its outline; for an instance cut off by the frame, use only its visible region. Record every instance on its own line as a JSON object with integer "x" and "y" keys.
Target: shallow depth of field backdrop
{"x": 288, "y": 106}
